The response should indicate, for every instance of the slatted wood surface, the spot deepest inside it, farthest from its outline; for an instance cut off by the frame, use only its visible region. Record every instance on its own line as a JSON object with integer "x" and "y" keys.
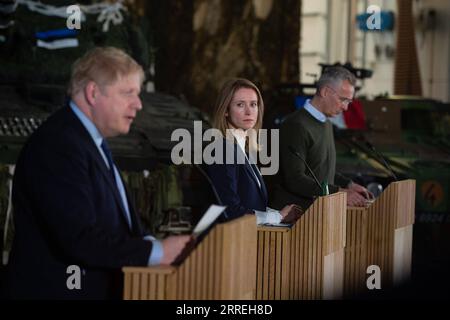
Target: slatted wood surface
{"x": 381, "y": 235}
{"x": 221, "y": 267}
{"x": 305, "y": 261}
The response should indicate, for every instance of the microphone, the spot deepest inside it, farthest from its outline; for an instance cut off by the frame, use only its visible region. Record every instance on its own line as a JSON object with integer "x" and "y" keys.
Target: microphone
{"x": 291, "y": 149}
{"x": 383, "y": 160}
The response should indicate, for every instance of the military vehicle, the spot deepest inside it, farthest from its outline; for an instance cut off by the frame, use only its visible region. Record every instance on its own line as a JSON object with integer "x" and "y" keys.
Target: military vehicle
{"x": 413, "y": 136}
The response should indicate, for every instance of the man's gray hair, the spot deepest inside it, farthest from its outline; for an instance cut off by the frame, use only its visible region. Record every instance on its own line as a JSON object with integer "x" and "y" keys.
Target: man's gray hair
{"x": 333, "y": 76}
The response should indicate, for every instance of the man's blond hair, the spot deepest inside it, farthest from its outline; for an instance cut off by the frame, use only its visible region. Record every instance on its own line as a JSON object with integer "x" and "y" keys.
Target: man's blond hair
{"x": 104, "y": 66}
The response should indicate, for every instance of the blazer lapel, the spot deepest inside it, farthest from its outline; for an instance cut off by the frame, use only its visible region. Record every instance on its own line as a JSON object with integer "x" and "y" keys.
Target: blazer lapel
{"x": 261, "y": 180}
{"x": 112, "y": 184}
{"x": 253, "y": 172}
{"x": 136, "y": 227}
{"x": 93, "y": 150}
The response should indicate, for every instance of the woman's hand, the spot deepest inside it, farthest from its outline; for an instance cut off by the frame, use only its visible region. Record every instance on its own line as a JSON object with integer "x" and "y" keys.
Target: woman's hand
{"x": 284, "y": 212}
{"x": 290, "y": 213}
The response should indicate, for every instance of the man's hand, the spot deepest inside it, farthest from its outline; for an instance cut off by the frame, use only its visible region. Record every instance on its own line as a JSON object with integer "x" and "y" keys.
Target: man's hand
{"x": 361, "y": 190}
{"x": 355, "y": 199}
{"x": 172, "y": 247}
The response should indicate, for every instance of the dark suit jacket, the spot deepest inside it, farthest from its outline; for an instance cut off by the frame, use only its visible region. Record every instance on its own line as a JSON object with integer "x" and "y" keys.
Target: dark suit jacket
{"x": 68, "y": 211}
{"x": 236, "y": 186}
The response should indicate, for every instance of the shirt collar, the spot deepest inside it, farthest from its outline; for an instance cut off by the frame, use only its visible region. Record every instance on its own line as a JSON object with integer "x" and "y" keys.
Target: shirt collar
{"x": 87, "y": 123}
{"x": 240, "y": 135}
{"x": 314, "y": 112}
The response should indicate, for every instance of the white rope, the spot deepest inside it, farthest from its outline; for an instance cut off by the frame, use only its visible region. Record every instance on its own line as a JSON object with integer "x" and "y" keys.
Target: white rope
{"x": 111, "y": 14}
{"x": 44, "y": 9}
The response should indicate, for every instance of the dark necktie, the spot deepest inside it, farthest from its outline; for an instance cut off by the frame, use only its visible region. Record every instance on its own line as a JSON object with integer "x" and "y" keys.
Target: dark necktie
{"x": 130, "y": 217}
{"x": 108, "y": 155}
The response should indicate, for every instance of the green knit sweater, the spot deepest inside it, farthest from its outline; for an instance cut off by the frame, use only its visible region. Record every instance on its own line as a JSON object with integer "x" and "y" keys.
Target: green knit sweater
{"x": 314, "y": 141}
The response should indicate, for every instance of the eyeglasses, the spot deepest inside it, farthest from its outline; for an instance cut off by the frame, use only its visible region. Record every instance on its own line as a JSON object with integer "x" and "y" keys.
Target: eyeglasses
{"x": 345, "y": 101}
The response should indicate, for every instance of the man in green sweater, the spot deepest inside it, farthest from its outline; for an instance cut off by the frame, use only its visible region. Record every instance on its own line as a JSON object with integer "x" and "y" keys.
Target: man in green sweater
{"x": 309, "y": 133}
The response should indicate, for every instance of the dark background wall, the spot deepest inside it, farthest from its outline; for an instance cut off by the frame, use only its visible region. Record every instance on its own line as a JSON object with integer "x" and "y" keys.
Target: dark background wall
{"x": 201, "y": 43}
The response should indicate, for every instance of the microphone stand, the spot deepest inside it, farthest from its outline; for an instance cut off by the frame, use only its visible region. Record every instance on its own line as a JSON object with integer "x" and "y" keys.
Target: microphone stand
{"x": 291, "y": 149}
{"x": 383, "y": 160}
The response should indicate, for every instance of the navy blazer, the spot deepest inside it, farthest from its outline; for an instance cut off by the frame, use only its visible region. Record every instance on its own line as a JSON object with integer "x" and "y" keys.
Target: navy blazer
{"x": 68, "y": 211}
{"x": 237, "y": 187}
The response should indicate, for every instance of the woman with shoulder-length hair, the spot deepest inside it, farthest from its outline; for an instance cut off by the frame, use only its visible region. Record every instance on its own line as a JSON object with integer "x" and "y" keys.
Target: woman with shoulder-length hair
{"x": 240, "y": 186}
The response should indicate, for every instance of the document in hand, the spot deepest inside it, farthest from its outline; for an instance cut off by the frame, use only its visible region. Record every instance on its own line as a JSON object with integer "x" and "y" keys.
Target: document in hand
{"x": 202, "y": 226}
{"x": 289, "y": 220}
{"x": 208, "y": 218}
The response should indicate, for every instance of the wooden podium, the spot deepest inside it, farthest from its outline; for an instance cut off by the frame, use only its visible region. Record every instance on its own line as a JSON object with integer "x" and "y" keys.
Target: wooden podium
{"x": 221, "y": 267}
{"x": 305, "y": 261}
{"x": 381, "y": 235}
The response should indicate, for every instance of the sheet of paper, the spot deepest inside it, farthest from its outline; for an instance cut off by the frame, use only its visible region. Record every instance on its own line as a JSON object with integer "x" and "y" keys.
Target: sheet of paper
{"x": 282, "y": 225}
{"x": 208, "y": 218}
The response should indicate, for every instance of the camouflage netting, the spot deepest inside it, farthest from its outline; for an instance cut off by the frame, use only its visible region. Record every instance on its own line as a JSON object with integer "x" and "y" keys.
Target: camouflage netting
{"x": 23, "y": 61}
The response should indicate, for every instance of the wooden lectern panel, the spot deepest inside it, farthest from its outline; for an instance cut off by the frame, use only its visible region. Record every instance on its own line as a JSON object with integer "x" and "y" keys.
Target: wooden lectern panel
{"x": 381, "y": 235}
{"x": 221, "y": 267}
{"x": 305, "y": 261}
